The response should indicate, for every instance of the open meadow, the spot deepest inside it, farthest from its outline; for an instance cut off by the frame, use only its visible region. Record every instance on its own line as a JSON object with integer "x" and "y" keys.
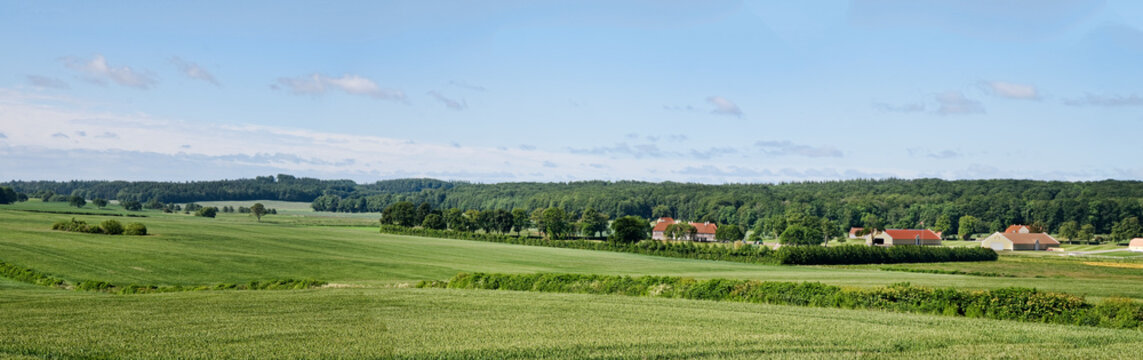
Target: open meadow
{"x": 368, "y": 311}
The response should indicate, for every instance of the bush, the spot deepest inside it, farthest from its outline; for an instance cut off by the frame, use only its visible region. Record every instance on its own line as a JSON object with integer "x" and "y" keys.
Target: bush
{"x": 111, "y": 227}
{"x": 858, "y": 254}
{"x": 1003, "y": 304}
{"x": 135, "y": 229}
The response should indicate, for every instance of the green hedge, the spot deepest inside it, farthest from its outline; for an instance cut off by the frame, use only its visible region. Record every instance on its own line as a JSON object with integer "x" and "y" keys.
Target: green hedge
{"x": 110, "y": 227}
{"x": 787, "y": 255}
{"x": 860, "y": 254}
{"x": 1019, "y": 304}
{"x": 746, "y": 253}
{"x": 30, "y": 276}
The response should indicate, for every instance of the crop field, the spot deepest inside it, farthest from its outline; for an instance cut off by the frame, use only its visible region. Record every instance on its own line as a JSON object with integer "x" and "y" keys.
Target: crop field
{"x": 367, "y": 311}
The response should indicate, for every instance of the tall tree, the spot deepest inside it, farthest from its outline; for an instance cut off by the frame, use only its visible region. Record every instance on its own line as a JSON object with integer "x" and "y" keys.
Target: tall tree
{"x": 434, "y": 221}
{"x": 629, "y": 229}
{"x": 968, "y": 225}
{"x": 99, "y": 202}
{"x": 1086, "y": 232}
{"x": 1126, "y": 229}
{"x": 555, "y": 222}
{"x": 1068, "y": 230}
{"x": 729, "y": 232}
{"x": 798, "y": 234}
{"x": 593, "y": 222}
{"x": 520, "y": 220}
{"x": 258, "y": 210}
{"x": 77, "y": 201}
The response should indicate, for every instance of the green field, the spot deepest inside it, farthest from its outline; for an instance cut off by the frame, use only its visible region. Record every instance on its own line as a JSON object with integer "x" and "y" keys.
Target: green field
{"x": 368, "y": 312}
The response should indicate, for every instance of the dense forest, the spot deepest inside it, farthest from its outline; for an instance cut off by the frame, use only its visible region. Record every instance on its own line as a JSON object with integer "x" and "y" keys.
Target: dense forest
{"x": 932, "y": 203}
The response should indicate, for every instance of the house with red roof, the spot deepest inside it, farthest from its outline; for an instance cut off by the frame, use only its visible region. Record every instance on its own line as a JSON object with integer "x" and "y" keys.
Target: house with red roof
{"x": 704, "y": 231}
{"x": 1135, "y": 245}
{"x": 894, "y": 237}
{"x": 853, "y": 231}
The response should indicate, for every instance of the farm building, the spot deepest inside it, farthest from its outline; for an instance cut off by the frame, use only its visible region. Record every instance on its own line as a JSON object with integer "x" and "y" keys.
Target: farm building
{"x": 705, "y": 231}
{"x": 1136, "y": 244}
{"x": 1018, "y": 229}
{"x": 657, "y": 233}
{"x": 892, "y": 237}
{"x": 1019, "y": 241}
{"x": 853, "y": 231}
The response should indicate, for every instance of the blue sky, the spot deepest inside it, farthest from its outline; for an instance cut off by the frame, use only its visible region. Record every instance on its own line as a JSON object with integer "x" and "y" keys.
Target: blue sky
{"x": 703, "y": 91}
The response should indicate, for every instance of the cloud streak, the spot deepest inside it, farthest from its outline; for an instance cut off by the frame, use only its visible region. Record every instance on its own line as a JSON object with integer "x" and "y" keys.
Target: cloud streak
{"x": 318, "y": 84}
{"x": 98, "y": 71}
{"x": 954, "y": 103}
{"x": 194, "y": 71}
{"x": 787, "y": 148}
{"x": 1106, "y": 100}
{"x": 724, "y": 106}
{"x": 448, "y": 102}
{"x": 1011, "y": 90}
{"x": 47, "y": 82}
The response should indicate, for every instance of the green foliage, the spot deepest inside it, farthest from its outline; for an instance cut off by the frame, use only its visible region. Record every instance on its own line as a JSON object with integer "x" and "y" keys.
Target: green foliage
{"x": 968, "y": 225}
{"x": 680, "y": 231}
{"x": 555, "y": 222}
{"x": 208, "y": 211}
{"x": 1126, "y": 229}
{"x": 74, "y": 225}
{"x": 135, "y": 229}
{"x": 8, "y": 196}
{"x": 434, "y": 222}
{"x": 797, "y": 234}
{"x": 629, "y": 229}
{"x": 860, "y": 254}
{"x": 1069, "y": 230}
{"x": 131, "y": 205}
{"x": 111, "y": 227}
{"x": 729, "y": 232}
{"x": 402, "y": 213}
{"x": 1086, "y": 232}
{"x": 258, "y": 210}
{"x": 77, "y": 201}
{"x": 592, "y": 222}
{"x": 520, "y": 220}
{"x": 29, "y": 276}
{"x": 1018, "y": 304}
{"x": 99, "y": 202}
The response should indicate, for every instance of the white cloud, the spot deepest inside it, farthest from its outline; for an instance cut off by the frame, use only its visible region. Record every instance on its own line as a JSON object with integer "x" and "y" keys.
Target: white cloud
{"x": 1011, "y": 90}
{"x": 194, "y": 71}
{"x": 905, "y": 108}
{"x": 450, "y": 103}
{"x": 47, "y": 82}
{"x": 318, "y": 84}
{"x": 783, "y": 148}
{"x": 723, "y": 106}
{"x": 98, "y": 71}
{"x": 1106, "y": 100}
{"x": 954, "y": 103}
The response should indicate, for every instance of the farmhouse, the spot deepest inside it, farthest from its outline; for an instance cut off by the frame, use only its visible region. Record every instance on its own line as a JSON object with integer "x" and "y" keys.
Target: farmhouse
{"x": 1019, "y": 241}
{"x": 705, "y": 231}
{"x": 853, "y": 231}
{"x": 892, "y": 237}
{"x": 1136, "y": 245}
{"x": 1018, "y": 229}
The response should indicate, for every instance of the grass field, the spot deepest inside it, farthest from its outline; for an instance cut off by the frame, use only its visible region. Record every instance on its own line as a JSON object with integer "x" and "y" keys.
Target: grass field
{"x": 368, "y": 313}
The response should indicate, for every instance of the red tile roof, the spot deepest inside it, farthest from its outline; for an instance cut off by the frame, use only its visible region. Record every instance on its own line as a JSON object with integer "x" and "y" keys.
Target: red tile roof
{"x": 1029, "y": 239}
{"x": 855, "y": 230}
{"x": 705, "y": 228}
{"x": 912, "y": 234}
{"x": 1015, "y": 228}
{"x": 663, "y": 223}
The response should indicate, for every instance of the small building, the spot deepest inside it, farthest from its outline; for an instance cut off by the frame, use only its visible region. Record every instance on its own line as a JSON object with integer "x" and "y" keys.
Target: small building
{"x": 704, "y": 231}
{"x": 1018, "y": 229}
{"x": 894, "y": 237}
{"x": 1019, "y": 241}
{"x": 1136, "y": 245}
{"x": 659, "y": 231}
{"x": 853, "y": 231}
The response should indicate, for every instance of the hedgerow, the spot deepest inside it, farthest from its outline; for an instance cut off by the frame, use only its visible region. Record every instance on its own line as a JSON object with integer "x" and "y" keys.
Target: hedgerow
{"x": 110, "y": 227}
{"x": 747, "y": 253}
{"x": 1020, "y": 304}
{"x": 30, "y": 276}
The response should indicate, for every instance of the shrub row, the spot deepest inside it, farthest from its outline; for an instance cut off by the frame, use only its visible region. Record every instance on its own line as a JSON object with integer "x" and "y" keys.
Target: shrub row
{"x": 744, "y": 253}
{"x": 30, "y": 276}
{"x": 1004, "y": 304}
{"x": 282, "y": 284}
{"x": 787, "y": 255}
{"x": 110, "y": 227}
{"x": 80, "y": 213}
{"x": 858, "y": 254}
{"x": 947, "y": 272}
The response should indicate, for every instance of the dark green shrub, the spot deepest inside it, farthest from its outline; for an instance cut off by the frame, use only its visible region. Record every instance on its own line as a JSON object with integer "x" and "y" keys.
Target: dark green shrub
{"x": 135, "y": 229}
{"x": 859, "y": 254}
{"x": 111, "y": 227}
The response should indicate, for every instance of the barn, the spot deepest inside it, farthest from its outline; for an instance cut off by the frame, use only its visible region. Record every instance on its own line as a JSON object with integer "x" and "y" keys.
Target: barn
{"x": 1136, "y": 245}
{"x": 1019, "y": 241}
{"x": 894, "y": 237}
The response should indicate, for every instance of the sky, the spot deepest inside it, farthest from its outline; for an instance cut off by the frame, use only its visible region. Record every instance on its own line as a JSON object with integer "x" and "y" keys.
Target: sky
{"x": 505, "y": 91}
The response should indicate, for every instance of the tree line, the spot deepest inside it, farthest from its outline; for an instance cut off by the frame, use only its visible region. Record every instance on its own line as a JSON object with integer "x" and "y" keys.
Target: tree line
{"x": 956, "y": 208}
